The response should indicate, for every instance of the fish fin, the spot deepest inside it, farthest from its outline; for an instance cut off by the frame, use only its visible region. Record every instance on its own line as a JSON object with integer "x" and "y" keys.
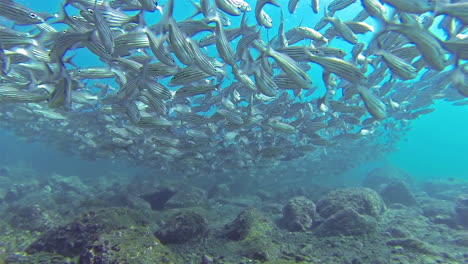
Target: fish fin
{"x": 198, "y": 9}
{"x": 244, "y": 26}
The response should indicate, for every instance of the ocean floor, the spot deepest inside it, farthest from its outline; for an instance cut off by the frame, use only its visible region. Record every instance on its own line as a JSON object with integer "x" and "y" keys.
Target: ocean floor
{"x": 121, "y": 218}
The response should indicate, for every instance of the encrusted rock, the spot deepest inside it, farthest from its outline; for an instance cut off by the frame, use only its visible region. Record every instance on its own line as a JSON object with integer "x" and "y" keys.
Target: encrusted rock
{"x": 32, "y": 217}
{"x": 18, "y": 191}
{"x": 380, "y": 177}
{"x": 254, "y": 233}
{"x": 136, "y": 245}
{"x": 182, "y": 227}
{"x": 347, "y": 222}
{"x": 69, "y": 240}
{"x": 412, "y": 244}
{"x": 298, "y": 214}
{"x": 362, "y": 200}
{"x": 397, "y": 192}
{"x": 187, "y": 196}
{"x": 461, "y": 210}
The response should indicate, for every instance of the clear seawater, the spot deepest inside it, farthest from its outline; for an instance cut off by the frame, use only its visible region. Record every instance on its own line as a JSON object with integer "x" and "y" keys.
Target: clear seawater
{"x": 435, "y": 147}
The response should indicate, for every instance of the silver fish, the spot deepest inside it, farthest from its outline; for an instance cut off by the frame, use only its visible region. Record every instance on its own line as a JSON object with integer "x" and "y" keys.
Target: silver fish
{"x": 18, "y": 13}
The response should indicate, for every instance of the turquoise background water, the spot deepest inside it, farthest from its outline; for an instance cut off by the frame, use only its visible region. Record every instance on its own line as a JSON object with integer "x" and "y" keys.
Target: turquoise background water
{"x": 435, "y": 147}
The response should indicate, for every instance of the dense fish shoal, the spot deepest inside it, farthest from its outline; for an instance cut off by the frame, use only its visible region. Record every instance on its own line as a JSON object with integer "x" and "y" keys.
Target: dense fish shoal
{"x": 236, "y": 84}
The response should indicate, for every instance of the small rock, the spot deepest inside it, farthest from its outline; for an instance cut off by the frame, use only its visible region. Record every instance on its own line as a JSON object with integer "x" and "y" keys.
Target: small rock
{"x": 397, "y": 232}
{"x": 182, "y": 227}
{"x": 207, "y": 260}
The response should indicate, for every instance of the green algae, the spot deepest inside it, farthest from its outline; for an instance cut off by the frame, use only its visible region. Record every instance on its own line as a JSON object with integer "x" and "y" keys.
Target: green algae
{"x": 255, "y": 235}
{"x": 134, "y": 245}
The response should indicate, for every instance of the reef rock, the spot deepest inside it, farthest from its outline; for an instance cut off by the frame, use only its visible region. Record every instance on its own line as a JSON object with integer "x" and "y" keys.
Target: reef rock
{"x": 362, "y": 200}
{"x": 298, "y": 214}
{"x": 187, "y": 196}
{"x": 397, "y": 192}
{"x": 380, "y": 177}
{"x": 347, "y": 222}
{"x": 136, "y": 245}
{"x": 182, "y": 227}
{"x": 17, "y": 192}
{"x": 70, "y": 240}
{"x": 32, "y": 217}
{"x": 461, "y": 210}
{"x": 254, "y": 233}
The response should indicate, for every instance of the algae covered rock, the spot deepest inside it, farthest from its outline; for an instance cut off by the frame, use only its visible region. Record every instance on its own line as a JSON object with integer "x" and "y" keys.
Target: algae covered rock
{"x": 187, "y": 196}
{"x": 347, "y": 222}
{"x": 413, "y": 245}
{"x": 380, "y": 177}
{"x": 69, "y": 240}
{"x": 461, "y": 210}
{"x": 298, "y": 214}
{"x": 254, "y": 233}
{"x": 362, "y": 200}
{"x": 159, "y": 197}
{"x": 397, "y": 192}
{"x": 32, "y": 217}
{"x": 38, "y": 258}
{"x": 133, "y": 245}
{"x": 182, "y": 227}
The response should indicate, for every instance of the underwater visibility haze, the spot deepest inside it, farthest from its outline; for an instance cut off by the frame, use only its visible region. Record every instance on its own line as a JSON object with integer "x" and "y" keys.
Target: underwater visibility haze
{"x": 232, "y": 131}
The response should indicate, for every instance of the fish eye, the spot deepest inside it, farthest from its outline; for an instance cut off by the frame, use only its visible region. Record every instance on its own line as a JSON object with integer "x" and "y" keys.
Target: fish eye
{"x": 75, "y": 17}
{"x": 32, "y": 15}
{"x": 91, "y": 11}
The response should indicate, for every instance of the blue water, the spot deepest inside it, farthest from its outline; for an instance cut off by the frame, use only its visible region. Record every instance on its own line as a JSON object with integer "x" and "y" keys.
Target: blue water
{"x": 436, "y": 146}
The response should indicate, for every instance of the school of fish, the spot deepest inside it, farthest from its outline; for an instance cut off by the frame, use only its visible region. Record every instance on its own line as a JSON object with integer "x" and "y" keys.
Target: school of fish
{"x": 206, "y": 93}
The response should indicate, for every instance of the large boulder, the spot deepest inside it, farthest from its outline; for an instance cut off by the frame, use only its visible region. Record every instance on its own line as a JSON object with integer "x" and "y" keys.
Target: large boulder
{"x": 350, "y": 211}
{"x": 298, "y": 214}
{"x": 347, "y": 222}
{"x": 397, "y": 192}
{"x": 362, "y": 200}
